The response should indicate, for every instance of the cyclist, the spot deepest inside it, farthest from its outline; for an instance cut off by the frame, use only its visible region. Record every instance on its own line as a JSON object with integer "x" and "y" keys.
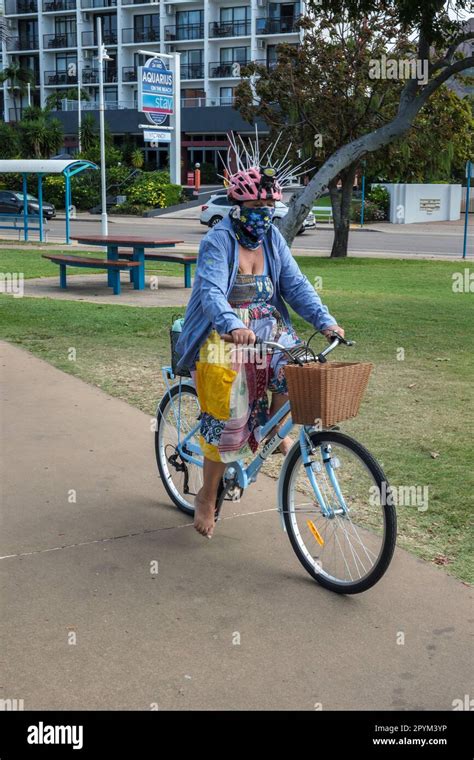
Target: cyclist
{"x": 245, "y": 272}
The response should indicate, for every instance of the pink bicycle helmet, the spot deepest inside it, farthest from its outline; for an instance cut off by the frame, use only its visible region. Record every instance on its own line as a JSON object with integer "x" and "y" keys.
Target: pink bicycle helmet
{"x": 253, "y": 185}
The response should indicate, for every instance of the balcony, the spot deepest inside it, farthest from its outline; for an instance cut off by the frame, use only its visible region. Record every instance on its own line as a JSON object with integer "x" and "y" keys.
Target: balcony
{"x": 130, "y": 36}
{"x": 59, "y": 78}
{"x": 90, "y": 77}
{"x": 229, "y": 29}
{"x": 24, "y": 42}
{"x": 94, "y": 4}
{"x": 18, "y": 7}
{"x": 206, "y": 102}
{"x": 64, "y": 40}
{"x": 51, "y": 6}
{"x": 140, "y": 2}
{"x": 89, "y": 39}
{"x": 184, "y": 32}
{"x": 192, "y": 71}
{"x": 277, "y": 25}
{"x": 129, "y": 74}
{"x": 226, "y": 70}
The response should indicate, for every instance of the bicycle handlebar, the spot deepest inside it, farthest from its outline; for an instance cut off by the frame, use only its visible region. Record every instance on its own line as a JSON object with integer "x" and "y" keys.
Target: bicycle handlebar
{"x": 321, "y": 357}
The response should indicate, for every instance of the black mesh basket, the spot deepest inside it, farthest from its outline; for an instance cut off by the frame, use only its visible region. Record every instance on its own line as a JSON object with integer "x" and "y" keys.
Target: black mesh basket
{"x": 174, "y": 336}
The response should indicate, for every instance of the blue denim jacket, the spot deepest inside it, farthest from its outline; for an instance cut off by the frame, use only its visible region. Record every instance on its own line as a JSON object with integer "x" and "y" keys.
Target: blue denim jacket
{"x": 216, "y": 270}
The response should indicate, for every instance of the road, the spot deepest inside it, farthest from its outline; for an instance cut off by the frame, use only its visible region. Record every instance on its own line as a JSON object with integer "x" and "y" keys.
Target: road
{"x": 417, "y": 240}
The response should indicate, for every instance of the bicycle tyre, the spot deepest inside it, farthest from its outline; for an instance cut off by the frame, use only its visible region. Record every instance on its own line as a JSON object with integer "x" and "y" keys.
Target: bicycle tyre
{"x": 390, "y": 532}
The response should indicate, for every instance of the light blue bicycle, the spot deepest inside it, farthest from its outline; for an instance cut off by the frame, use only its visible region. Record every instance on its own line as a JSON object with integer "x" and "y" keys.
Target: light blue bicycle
{"x": 331, "y": 490}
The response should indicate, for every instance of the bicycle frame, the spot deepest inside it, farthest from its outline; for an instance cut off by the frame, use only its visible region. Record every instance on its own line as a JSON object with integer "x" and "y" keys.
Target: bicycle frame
{"x": 191, "y": 452}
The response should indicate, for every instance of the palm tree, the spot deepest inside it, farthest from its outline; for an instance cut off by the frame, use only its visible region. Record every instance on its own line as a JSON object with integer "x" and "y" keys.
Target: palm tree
{"x": 40, "y": 135}
{"x": 137, "y": 159}
{"x": 88, "y": 132}
{"x": 19, "y": 78}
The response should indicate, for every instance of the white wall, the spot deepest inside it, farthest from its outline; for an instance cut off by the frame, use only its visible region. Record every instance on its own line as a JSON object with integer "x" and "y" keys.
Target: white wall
{"x": 423, "y": 203}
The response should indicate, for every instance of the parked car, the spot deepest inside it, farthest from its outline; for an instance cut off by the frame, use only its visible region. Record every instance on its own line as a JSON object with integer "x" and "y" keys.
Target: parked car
{"x": 218, "y": 206}
{"x": 11, "y": 202}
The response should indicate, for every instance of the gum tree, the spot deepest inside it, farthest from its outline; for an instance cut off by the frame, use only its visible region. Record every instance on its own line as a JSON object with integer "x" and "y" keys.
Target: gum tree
{"x": 363, "y": 73}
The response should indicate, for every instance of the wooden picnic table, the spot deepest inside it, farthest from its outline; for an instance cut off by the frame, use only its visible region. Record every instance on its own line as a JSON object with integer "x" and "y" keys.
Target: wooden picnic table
{"x": 137, "y": 244}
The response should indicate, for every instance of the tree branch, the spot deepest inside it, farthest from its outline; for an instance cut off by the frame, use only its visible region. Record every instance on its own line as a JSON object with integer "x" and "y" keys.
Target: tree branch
{"x": 448, "y": 58}
{"x": 354, "y": 151}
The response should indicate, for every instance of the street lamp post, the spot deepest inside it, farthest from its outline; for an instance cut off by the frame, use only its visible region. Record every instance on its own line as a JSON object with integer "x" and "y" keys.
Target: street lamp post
{"x": 102, "y": 56}
{"x": 79, "y": 115}
{"x": 362, "y": 207}
{"x": 468, "y": 199}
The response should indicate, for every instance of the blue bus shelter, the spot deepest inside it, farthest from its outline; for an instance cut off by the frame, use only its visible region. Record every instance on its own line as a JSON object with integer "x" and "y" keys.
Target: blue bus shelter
{"x": 40, "y": 167}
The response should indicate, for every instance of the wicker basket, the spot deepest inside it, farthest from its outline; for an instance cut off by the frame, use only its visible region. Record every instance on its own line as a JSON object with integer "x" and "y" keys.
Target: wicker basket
{"x": 326, "y": 393}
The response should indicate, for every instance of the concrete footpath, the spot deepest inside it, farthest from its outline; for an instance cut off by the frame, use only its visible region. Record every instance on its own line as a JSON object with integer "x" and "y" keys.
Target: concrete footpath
{"x": 231, "y": 623}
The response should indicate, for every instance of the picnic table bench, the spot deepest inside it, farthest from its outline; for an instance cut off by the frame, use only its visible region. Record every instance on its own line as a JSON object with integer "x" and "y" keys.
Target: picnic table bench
{"x": 113, "y": 267}
{"x": 137, "y": 244}
{"x": 185, "y": 259}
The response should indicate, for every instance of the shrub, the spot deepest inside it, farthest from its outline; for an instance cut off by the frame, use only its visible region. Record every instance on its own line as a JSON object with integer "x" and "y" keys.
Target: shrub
{"x": 173, "y": 194}
{"x": 372, "y": 212}
{"x": 136, "y": 209}
{"x": 85, "y": 190}
{"x": 381, "y": 197}
{"x": 153, "y": 189}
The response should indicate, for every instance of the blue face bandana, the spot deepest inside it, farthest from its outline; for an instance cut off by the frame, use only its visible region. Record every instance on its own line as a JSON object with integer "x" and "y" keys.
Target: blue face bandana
{"x": 252, "y": 224}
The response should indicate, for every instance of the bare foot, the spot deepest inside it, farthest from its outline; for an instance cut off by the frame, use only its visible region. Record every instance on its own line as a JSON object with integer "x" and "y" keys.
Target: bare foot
{"x": 286, "y": 445}
{"x": 204, "y": 512}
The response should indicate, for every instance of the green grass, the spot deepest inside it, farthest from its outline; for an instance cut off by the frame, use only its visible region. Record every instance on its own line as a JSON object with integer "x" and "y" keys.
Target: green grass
{"x": 324, "y": 201}
{"x": 32, "y": 264}
{"x": 414, "y": 408}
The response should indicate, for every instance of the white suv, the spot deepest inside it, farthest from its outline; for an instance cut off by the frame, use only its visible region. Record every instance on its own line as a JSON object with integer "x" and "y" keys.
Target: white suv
{"x": 218, "y": 206}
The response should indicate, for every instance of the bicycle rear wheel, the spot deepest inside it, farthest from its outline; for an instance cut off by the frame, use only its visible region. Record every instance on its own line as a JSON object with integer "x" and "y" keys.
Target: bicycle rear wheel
{"x": 349, "y": 550}
{"x": 176, "y": 416}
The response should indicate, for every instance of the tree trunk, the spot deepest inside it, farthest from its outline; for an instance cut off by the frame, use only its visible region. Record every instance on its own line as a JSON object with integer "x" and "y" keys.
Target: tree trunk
{"x": 341, "y": 210}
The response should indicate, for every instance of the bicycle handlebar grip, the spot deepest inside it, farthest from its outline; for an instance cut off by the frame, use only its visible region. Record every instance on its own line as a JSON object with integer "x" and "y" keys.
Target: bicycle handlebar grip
{"x": 228, "y": 339}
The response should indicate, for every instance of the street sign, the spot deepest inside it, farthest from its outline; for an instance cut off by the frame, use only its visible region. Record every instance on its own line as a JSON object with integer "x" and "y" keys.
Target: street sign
{"x": 155, "y": 91}
{"x": 153, "y": 135}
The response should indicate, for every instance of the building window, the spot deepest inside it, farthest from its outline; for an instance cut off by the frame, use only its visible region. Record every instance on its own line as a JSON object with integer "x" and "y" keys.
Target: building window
{"x": 226, "y": 96}
{"x": 63, "y": 61}
{"x": 65, "y": 25}
{"x": 147, "y": 27}
{"x": 235, "y": 14}
{"x": 193, "y": 97}
{"x": 28, "y": 34}
{"x": 192, "y": 66}
{"x": 234, "y": 55}
{"x": 109, "y": 29}
{"x": 189, "y": 25}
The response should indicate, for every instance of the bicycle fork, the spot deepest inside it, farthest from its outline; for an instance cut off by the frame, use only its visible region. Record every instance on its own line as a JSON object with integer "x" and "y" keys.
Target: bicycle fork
{"x": 314, "y": 468}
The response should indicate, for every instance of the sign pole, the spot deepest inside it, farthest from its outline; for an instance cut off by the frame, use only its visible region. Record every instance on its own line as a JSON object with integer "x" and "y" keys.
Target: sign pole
{"x": 468, "y": 192}
{"x": 103, "y": 183}
{"x": 175, "y": 120}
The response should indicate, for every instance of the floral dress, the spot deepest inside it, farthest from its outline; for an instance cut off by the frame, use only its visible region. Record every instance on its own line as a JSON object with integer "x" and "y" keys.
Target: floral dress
{"x": 232, "y": 381}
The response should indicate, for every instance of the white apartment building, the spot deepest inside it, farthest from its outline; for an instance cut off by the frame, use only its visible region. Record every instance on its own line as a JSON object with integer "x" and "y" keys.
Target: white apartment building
{"x": 56, "y": 39}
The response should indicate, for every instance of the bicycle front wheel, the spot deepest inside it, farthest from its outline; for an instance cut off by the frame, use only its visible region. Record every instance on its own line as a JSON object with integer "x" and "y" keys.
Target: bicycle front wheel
{"x": 346, "y": 542}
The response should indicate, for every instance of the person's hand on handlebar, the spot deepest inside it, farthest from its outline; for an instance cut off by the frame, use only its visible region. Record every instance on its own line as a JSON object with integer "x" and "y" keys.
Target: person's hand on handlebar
{"x": 243, "y": 337}
{"x": 329, "y": 332}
